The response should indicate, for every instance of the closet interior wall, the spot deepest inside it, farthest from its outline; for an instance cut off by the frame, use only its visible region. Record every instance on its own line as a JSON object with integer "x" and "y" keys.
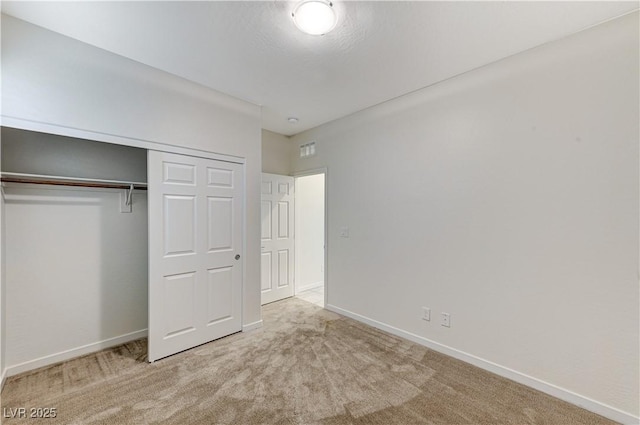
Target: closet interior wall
{"x": 76, "y": 267}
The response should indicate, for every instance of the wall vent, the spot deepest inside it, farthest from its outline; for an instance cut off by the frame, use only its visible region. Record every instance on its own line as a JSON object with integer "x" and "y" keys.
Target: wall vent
{"x": 307, "y": 150}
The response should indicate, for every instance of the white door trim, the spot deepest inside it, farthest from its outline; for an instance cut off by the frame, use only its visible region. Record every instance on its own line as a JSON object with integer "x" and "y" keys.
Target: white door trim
{"x": 311, "y": 172}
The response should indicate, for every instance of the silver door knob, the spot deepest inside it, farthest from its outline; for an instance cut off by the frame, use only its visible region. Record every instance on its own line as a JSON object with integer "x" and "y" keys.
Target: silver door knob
{"x": 237, "y": 256}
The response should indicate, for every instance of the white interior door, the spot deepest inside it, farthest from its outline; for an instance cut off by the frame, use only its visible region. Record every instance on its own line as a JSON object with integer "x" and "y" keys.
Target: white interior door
{"x": 195, "y": 244}
{"x": 277, "y": 237}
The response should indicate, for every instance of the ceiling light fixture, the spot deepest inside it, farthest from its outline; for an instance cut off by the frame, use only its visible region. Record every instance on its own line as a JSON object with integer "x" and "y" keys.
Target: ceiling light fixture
{"x": 315, "y": 17}
{"x": 292, "y": 120}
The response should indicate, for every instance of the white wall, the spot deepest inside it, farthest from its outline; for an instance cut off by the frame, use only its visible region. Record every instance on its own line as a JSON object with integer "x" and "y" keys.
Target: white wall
{"x": 40, "y": 153}
{"x": 508, "y": 197}
{"x": 51, "y": 79}
{"x": 309, "y": 222}
{"x": 76, "y": 271}
{"x": 3, "y": 333}
{"x": 87, "y": 262}
{"x": 276, "y": 153}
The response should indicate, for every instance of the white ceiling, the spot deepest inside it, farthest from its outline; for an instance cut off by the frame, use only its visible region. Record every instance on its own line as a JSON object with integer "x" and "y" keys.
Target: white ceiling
{"x": 253, "y": 51}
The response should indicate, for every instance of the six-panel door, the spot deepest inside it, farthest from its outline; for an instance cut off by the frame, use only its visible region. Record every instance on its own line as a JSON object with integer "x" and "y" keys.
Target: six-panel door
{"x": 277, "y": 237}
{"x": 195, "y": 248}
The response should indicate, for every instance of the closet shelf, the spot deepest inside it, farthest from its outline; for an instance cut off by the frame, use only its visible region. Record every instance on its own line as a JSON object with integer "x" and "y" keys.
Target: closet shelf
{"x": 69, "y": 181}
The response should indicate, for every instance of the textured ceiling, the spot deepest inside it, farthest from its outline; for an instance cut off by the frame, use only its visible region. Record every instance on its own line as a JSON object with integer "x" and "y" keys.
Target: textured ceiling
{"x": 253, "y": 51}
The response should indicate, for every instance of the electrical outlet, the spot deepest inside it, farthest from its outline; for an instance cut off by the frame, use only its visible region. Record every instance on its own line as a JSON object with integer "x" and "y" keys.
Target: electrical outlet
{"x": 446, "y": 320}
{"x": 426, "y": 313}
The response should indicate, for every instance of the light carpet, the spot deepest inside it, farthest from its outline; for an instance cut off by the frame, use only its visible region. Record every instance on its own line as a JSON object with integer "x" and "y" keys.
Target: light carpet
{"x": 306, "y": 365}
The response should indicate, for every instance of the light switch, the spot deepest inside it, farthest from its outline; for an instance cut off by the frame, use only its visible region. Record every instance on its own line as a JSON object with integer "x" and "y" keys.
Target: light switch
{"x": 344, "y": 232}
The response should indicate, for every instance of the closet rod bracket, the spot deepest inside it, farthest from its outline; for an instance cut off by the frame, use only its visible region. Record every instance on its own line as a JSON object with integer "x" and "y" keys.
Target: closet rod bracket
{"x": 126, "y": 200}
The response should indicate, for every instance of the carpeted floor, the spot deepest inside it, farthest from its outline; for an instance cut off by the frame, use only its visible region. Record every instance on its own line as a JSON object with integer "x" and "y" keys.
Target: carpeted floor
{"x": 305, "y": 366}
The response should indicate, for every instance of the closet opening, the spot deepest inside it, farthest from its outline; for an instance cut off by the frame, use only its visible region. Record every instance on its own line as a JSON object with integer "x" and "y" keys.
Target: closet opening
{"x": 76, "y": 257}
{"x": 108, "y": 243}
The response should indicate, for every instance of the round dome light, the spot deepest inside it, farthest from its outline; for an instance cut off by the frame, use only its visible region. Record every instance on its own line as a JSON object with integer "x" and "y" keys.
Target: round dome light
{"x": 315, "y": 17}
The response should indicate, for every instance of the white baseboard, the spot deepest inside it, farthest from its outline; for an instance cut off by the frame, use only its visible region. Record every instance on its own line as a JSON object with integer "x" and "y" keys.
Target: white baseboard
{"x": 308, "y": 286}
{"x": 545, "y": 387}
{"x": 252, "y": 326}
{"x": 3, "y": 377}
{"x": 74, "y": 352}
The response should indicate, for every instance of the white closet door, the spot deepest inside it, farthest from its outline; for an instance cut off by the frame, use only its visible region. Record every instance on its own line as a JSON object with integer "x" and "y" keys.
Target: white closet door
{"x": 195, "y": 244}
{"x": 277, "y": 237}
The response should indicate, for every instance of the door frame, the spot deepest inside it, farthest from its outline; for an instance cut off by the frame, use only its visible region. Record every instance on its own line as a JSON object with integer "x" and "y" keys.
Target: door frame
{"x": 312, "y": 172}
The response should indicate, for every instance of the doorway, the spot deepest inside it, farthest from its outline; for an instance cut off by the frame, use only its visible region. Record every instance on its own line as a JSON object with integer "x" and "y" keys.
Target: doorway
{"x": 310, "y": 243}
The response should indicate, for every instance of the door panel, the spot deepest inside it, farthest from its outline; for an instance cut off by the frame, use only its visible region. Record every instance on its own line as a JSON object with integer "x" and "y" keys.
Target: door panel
{"x": 179, "y": 225}
{"x": 277, "y": 237}
{"x": 265, "y": 274}
{"x": 219, "y": 177}
{"x": 220, "y": 223}
{"x": 220, "y": 290}
{"x": 266, "y": 220}
{"x": 179, "y": 304}
{"x": 177, "y": 173}
{"x": 283, "y": 220}
{"x": 283, "y": 268}
{"x": 195, "y": 234}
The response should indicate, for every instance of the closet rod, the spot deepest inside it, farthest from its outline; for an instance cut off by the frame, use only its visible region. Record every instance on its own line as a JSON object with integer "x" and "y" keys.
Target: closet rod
{"x": 69, "y": 181}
